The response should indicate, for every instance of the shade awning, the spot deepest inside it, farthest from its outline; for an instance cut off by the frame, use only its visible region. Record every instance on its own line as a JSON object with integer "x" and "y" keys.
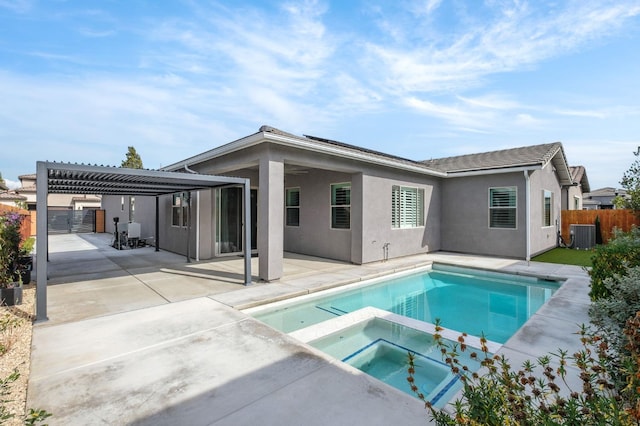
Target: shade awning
{"x": 66, "y": 178}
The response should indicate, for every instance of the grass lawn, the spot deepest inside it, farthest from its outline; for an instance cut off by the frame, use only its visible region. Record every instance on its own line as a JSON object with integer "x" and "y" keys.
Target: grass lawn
{"x": 566, "y": 256}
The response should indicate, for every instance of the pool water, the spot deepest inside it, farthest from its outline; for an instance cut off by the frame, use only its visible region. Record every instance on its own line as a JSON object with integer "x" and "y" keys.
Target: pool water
{"x": 380, "y": 348}
{"x": 467, "y": 300}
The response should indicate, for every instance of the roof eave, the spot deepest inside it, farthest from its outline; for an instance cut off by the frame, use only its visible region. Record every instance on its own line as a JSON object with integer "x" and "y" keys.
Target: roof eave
{"x": 301, "y": 143}
{"x": 493, "y": 171}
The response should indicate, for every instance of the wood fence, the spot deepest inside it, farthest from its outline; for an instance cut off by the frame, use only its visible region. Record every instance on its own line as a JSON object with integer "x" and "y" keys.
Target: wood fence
{"x": 26, "y": 224}
{"x": 609, "y": 219}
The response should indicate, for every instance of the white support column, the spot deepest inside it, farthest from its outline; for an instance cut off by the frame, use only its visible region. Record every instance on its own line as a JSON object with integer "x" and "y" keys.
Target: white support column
{"x": 42, "y": 242}
{"x": 247, "y": 232}
{"x": 271, "y": 219}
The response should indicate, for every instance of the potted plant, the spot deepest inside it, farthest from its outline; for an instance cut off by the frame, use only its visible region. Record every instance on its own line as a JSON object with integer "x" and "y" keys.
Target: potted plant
{"x": 10, "y": 277}
{"x": 25, "y": 259}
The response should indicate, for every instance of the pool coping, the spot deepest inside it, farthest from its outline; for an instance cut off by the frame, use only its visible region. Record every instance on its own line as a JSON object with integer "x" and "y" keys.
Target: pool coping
{"x": 337, "y": 324}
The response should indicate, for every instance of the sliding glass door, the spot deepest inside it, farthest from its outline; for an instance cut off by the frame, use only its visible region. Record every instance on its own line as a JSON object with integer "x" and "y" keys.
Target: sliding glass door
{"x": 229, "y": 235}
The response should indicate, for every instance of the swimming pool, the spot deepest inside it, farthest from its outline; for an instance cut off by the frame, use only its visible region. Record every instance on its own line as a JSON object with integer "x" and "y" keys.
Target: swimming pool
{"x": 464, "y": 299}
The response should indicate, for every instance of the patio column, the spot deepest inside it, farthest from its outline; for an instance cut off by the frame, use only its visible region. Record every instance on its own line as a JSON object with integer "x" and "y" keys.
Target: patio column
{"x": 42, "y": 242}
{"x": 357, "y": 218}
{"x": 270, "y": 218}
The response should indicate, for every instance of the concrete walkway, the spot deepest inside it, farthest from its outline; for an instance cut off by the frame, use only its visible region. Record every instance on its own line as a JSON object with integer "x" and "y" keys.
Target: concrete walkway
{"x": 142, "y": 337}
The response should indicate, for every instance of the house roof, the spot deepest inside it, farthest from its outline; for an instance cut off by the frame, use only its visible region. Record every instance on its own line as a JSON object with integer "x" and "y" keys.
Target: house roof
{"x": 497, "y": 161}
{"x": 606, "y": 192}
{"x": 28, "y": 188}
{"x": 27, "y": 176}
{"x": 11, "y": 196}
{"x": 87, "y": 199}
{"x": 506, "y": 160}
{"x": 579, "y": 175}
{"x": 310, "y": 143}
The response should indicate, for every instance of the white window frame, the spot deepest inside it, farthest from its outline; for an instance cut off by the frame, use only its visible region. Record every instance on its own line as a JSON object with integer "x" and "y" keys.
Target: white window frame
{"x": 289, "y": 205}
{"x": 336, "y": 206}
{"x": 497, "y": 207}
{"x": 546, "y": 194}
{"x": 407, "y": 207}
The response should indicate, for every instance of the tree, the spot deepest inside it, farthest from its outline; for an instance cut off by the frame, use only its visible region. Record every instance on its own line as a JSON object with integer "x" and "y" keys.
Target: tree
{"x": 133, "y": 160}
{"x": 631, "y": 183}
{"x": 3, "y": 184}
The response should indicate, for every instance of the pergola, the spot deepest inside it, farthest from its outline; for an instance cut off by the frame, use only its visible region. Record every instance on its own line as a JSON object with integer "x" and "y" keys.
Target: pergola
{"x": 65, "y": 178}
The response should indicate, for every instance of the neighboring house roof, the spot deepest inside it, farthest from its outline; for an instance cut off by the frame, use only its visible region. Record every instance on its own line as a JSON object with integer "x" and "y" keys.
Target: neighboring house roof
{"x": 28, "y": 176}
{"x": 29, "y": 188}
{"x": 532, "y": 156}
{"x": 579, "y": 175}
{"x": 602, "y": 196}
{"x": 514, "y": 158}
{"x": 87, "y": 199}
{"x": 11, "y": 196}
{"x": 606, "y": 192}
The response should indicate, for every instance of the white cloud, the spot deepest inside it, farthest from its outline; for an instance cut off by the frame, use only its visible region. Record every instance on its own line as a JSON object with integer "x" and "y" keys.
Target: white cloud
{"x": 12, "y": 184}
{"x": 466, "y": 118}
{"x": 583, "y": 113}
{"x": 491, "y": 101}
{"x": 511, "y": 38}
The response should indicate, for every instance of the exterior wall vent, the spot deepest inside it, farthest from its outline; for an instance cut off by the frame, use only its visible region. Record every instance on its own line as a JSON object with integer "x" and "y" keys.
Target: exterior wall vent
{"x": 584, "y": 236}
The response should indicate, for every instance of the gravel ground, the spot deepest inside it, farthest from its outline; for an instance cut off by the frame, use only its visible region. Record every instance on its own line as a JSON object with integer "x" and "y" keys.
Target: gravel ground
{"x": 16, "y": 323}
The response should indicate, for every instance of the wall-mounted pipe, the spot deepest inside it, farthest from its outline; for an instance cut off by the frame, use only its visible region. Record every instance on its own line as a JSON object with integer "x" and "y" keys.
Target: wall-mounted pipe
{"x": 528, "y": 214}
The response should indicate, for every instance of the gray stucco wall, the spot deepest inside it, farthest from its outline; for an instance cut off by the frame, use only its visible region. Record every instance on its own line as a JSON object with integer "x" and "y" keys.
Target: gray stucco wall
{"x": 377, "y": 211}
{"x": 543, "y": 237}
{"x": 569, "y": 196}
{"x": 465, "y": 216}
{"x": 145, "y": 213}
{"x": 370, "y": 204}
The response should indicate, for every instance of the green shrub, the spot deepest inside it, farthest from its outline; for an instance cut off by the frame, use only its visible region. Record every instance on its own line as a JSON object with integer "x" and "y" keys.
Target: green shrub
{"x": 611, "y": 261}
{"x": 532, "y": 395}
{"x": 611, "y": 313}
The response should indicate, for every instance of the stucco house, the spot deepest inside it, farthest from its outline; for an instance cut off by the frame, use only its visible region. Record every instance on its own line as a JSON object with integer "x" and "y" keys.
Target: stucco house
{"x": 573, "y": 195}
{"x": 325, "y": 198}
{"x": 602, "y": 198}
{"x": 28, "y": 190}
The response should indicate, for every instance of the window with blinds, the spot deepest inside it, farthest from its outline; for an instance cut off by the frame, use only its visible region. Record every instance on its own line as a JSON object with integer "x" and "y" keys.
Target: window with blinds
{"x": 502, "y": 207}
{"x": 341, "y": 206}
{"x": 407, "y": 207}
{"x": 547, "y": 203}
{"x": 292, "y": 206}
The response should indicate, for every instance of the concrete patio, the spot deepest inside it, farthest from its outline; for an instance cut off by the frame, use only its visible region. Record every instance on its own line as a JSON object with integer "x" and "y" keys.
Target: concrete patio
{"x": 142, "y": 337}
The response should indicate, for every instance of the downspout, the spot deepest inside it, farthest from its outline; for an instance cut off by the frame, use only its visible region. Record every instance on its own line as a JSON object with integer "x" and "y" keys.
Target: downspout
{"x": 528, "y": 214}
{"x": 186, "y": 168}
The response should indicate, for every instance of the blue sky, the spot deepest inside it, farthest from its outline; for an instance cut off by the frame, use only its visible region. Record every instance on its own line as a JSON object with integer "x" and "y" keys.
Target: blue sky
{"x": 80, "y": 81}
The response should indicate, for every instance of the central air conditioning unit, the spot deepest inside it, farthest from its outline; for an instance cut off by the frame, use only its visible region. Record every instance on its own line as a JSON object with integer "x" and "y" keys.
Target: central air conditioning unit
{"x": 584, "y": 236}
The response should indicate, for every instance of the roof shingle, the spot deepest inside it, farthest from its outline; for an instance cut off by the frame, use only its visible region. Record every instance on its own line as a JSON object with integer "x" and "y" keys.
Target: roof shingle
{"x": 505, "y": 158}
